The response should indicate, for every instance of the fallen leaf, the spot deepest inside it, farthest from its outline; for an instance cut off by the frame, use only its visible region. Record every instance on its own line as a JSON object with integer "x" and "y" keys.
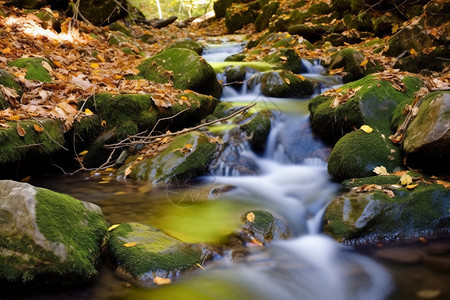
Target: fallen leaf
{"x": 112, "y": 227}
{"x": 394, "y": 28}
{"x": 411, "y": 186}
{"x": 287, "y": 80}
{"x": 405, "y": 179}
{"x": 94, "y": 65}
{"x": 128, "y": 171}
{"x": 83, "y": 153}
{"x": 103, "y": 123}
{"x": 38, "y": 128}
{"x": 250, "y": 217}
{"x": 413, "y": 52}
{"x": 428, "y": 294}
{"x": 381, "y": 170}
{"x": 88, "y": 111}
{"x": 200, "y": 266}
{"x": 444, "y": 183}
{"x": 366, "y": 128}
{"x": 132, "y": 244}
{"x": 160, "y": 280}
{"x": 390, "y": 193}
{"x": 363, "y": 63}
{"x": 20, "y": 130}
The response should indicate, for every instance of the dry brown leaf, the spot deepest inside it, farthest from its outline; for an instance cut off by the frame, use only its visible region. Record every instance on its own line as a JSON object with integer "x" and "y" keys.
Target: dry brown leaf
{"x": 20, "y": 130}
{"x": 38, "y": 128}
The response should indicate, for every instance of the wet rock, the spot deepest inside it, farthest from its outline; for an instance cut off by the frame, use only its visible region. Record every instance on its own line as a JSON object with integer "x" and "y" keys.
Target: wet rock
{"x": 37, "y": 68}
{"x": 161, "y": 23}
{"x": 264, "y": 226}
{"x": 185, "y": 68}
{"x": 268, "y": 10}
{"x": 433, "y": 61}
{"x": 14, "y": 147}
{"x": 339, "y": 39}
{"x": 102, "y": 12}
{"x": 372, "y": 217}
{"x": 383, "y": 24}
{"x": 410, "y": 37}
{"x": 373, "y": 103}
{"x": 185, "y": 157}
{"x": 357, "y": 153}
{"x": 220, "y": 7}
{"x": 47, "y": 237}
{"x": 120, "y": 26}
{"x": 350, "y": 60}
{"x": 240, "y": 14}
{"x": 312, "y": 33}
{"x": 360, "y": 21}
{"x": 8, "y": 81}
{"x": 402, "y": 256}
{"x": 188, "y": 43}
{"x": 282, "y": 84}
{"x": 286, "y": 59}
{"x": 237, "y": 74}
{"x": 427, "y": 138}
{"x": 143, "y": 253}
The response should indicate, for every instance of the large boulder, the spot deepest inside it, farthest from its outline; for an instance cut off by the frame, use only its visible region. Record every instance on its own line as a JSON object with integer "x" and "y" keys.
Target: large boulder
{"x": 388, "y": 213}
{"x": 145, "y": 254}
{"x": 434, "y": 61}
{"x": 185, "y": 68}
{"x": 264, "y": 226}
{"x": 188, "y": 43}
{"x": 186, "y": 156}
{"x": 357, "y": 153}
{"x": 410, "y": 37}
{"x": 283, "y": 84}
{"x": 240, "y": 14}
{"x": 427, "y": 138}
{"x": 47, "y": 237}
{"x": 286, "y": 59}
{"x": 370, "y": 100}
{"x": 37, "y": 68}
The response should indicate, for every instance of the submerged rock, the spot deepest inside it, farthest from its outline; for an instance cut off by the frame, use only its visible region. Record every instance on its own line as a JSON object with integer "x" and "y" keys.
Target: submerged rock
{"x": 372, "y": 217}
{"x": 185, "y": 68}
{"x": 369, "y": 101}
{"x": 427, "y": 138}
{"x": 144, "y": 253}
{"x": 47, "y": 237}
{"x": 185, "y": 157}
{"x": 357, "y": 153}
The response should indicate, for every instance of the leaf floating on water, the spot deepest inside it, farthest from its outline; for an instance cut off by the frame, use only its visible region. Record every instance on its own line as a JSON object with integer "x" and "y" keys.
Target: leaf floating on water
{"x": 250, "y": 217}
{"x": 428, "y": 294}
{"x": 366, "y": 128}
{"x": 405, "y": 179}
{"x": 112, "y": 227}
{"x": 132, "y": 244}
{"x": 20, "y": 130}
{"x": 160, "y": 280}
{"x": 38, "y": 128}
{"x": 381, "y": 170}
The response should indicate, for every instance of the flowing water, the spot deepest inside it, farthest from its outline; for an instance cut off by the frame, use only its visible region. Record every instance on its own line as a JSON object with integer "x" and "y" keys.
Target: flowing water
{"x": 307, "y": 266}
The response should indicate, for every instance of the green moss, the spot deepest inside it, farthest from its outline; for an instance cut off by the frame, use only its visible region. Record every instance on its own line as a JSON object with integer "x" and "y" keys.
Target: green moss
{"x": 262, "y": 21}
{"x": 187, "y": 43}
{"x": 173, "y": 163}
{"x": 219, "y": 67}
{"x": 379, "y": 180}
{"x": 9, "y": 80}
{"x": 184, "y": 68}
{"x": 286, "y": 59}
{"x": 13, "y": 147}
{"x": 88, "y": 127}
{"x": 240, "y": 14}
{"x": 154, "y": 251}
{"x": 358, "y": 153}
{"x": 373, "y": 105}
{"x": 119, "y": 26}
{"x": 35, "y": 70}
{"x": 283, "y": 84}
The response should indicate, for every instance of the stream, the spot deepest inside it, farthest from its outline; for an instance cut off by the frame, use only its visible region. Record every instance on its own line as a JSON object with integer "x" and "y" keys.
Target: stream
{"x": 307, "y": 266}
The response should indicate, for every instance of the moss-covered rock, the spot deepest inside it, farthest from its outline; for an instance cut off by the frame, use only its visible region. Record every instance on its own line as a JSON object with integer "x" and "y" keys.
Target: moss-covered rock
{"x": 48, "y": 19}
{"x": 372, "y": 217}
{"x": 120, "y": 26}
{"x": 350, "y": 60}
{"x": 185, "y": 157}
{"x": 220, "y": 7}
{"x": 188, "y": 43}
{"x": 102, "y": 12}
{"x": 372, "y": 104}
{"x": 410, "y": 37}
{"x": 427, "y": 138}
{"x": 36, "y": 70}
{"x": 29, "y": 4}
{"x": 357, "y": 153}
{"x": 240, "y": 14}
{"x": 47, "y": 237}
{"x": 434, "y": 61}
{"x": 283, "y": 84}
{"x": 8, "y": 80}
{"x": 264, "y": 226}
{"x": 312, "y": 33}
{"x": 263, "y": 20}
{"x": 383, "y": 24}
{"x": 185, "y": 68}
{"x": 14, "y": 147}
{"x": 154, "y": 253}
{"x": 286, "y": 59}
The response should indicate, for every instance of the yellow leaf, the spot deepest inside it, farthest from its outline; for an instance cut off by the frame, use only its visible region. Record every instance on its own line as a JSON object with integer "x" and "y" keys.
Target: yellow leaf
{"x": 381, "y": 170}
{"x": 103, "y": 123}
{"x": 56, "y": 63}
{"x": 411, "y": 186}
{"x": 117, "y": 77}
{"x": 366, "y": 128}
{"x": 104, "y": 181}
{"x": 132, "y": 244}
{"x": 160, "y": 280}
{"x": 38, "y": 128}
{"x": 83, "y": 152}
{"x": 20, "y": 130}
{"x": 413, "y": 52}
{"x": 444, "y": 183}
{"x": 363, "y": 63}
{"x": 100, "y": 57}
{"x": 283, "y": 58}
{"x": 301, "y": 77}
{"x": 287, "y": 81}
{"x": 88, "y": 111}
{"x": 394, "y": 28}
{"x": 183, "y": 98}
{"x": 14, "y": 118}
{"x": 110, "y": 170}
{"x": 250, "y": 217}
{"x": 94, "y": 65}
{"x": 128, "y": 171}
{"x": 120, "y": 193}
{"x": 113, "y": 227}
{"x": 405, "y": 179}
{"x": 200, "y": 266}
